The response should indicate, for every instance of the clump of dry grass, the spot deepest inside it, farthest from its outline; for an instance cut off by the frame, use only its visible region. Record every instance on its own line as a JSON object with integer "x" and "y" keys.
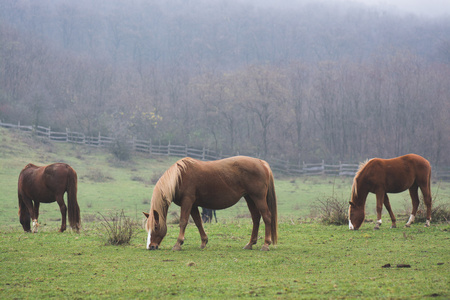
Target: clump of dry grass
{"x": 331, "y": 210}
{"x": 119, "y": 228}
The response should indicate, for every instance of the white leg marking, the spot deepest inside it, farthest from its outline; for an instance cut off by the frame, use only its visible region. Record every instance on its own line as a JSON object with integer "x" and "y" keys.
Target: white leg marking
{"x": 427, "y": 223}
{"x": 149, "y": 238}
{"x": 35, "y": 225}
{"x": 379, "y": 222}
{"x": 411, "y": 220}
{"x": 350, "y": 225}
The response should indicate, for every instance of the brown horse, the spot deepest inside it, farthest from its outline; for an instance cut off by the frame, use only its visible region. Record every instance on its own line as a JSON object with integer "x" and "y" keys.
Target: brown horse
{"x": 48, "y": 184}
{"x": 382, "y": 176}
{"x": 191, "y": 183}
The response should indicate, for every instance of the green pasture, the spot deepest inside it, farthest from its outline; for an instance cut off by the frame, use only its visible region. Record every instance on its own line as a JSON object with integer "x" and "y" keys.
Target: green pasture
{"x": 311, "y": 260}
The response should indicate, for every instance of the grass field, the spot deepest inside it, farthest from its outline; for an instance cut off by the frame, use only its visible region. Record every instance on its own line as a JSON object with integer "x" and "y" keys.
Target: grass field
{"x": 312, "y": 260}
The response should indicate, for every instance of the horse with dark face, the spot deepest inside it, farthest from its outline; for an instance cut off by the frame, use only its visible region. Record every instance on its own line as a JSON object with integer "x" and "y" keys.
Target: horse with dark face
{"x": 48, "y": 184}
{"x": 191, "y": 183}
{"x": 382, "y": 176}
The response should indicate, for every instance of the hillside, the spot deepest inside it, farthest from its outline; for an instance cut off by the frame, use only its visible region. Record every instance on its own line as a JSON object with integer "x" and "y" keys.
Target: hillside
{"x": 106, "y": 185}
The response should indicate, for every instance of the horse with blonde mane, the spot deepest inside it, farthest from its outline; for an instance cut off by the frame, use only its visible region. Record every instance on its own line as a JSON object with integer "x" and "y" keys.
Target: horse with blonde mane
{"x": 48, "y": 184}
{"x": 190, "y": 183}
{"x": 382, "y": 176}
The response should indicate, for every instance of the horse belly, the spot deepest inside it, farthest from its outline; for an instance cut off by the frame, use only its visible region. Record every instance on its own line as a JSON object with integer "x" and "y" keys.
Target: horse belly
{"x": 218, "y": 200}
{"x": 398, "y": 186}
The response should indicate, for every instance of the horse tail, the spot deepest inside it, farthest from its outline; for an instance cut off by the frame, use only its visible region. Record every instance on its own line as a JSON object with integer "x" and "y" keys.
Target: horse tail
{"x": 272, "y": 203}
{"x": 74, "y": 209}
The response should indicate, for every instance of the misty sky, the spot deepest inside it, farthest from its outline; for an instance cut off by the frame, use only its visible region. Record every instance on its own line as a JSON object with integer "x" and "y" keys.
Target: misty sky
{"x": 430, "y": 8}
{"x": 426, "y": 8}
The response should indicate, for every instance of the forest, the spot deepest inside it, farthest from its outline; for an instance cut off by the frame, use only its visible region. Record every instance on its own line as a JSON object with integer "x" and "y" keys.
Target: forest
{"x": 308, "y": 82}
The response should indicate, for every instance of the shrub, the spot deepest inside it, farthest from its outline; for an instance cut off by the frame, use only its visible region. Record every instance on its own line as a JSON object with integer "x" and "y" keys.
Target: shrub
{"x": 119, "y": 228}
{"x": 331, "y": 210}
{"x": 120, "y": 149}
{"x": 439, "y": 212}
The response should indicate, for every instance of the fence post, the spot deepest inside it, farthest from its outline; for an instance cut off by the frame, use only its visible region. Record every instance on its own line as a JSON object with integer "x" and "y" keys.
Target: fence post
{"x": 168, "y": 149}
{"x": 203, "y": 154}
{"x": 323, "y": 167}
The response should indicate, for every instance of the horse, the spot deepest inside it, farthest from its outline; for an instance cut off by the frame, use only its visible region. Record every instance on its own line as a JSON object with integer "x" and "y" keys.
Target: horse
{"x": 395, "y": 175}
{"x": 48, "y": 184}
{"x": 207, "y": 215}
{"x": 220, "y": 184}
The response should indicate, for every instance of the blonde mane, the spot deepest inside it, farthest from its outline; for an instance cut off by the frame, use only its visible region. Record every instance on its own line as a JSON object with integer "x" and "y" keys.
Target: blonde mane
{"x": 355, "y": 179}
{"x": 165, "y": 190}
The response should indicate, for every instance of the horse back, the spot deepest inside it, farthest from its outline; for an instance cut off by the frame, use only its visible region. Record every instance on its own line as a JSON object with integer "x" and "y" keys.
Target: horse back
{"x": 225, "y": 180}
{"x": 42, "y": 183}
{"x": 397, "y": 174}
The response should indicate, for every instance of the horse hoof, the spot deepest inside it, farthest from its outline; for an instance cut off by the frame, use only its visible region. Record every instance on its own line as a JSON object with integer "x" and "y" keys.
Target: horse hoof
{"x": 204, "y": 243}
{"x": 408, "y": 225}
{"x": 265, "y": 248}
{"x": 176, "y": 248}
{"x": 248, "y": 247}
{"x": 376, "y": 228}
{"x": 394, "y": 226}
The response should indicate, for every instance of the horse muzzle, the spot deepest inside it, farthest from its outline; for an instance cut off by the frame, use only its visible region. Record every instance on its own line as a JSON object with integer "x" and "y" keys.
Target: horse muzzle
{"x": 152, "y": 247}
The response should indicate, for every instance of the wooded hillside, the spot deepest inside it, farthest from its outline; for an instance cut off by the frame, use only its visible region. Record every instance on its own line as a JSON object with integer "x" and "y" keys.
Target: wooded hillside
{"x": 307, "y": 83}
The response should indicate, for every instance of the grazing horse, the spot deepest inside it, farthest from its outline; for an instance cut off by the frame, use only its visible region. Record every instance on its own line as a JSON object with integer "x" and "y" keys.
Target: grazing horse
{"x": 48, "y": 184}
{"x": 382, "y": 176}
{"x": 191, "y": 183}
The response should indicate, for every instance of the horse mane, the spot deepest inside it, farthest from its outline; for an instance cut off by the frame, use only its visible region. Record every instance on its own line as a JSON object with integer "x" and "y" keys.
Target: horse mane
{"x": 165, "y": 190}
{"x": 355, "y": 179}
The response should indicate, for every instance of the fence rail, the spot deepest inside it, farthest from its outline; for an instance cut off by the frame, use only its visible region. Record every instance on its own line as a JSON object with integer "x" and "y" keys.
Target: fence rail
{"x": 146, "y": 146}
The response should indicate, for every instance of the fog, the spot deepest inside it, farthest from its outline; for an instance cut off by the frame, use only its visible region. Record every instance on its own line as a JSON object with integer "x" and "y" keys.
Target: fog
{"x": 298, "y": 80}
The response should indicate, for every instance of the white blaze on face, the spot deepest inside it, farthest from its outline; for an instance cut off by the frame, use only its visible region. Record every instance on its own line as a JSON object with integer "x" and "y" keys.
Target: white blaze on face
{"x": 149, "y": 238}
{"x": 350, "y": 225}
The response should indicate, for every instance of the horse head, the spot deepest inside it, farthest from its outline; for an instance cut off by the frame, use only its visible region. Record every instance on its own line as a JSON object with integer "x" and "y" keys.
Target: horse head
{"x": 356, "y": 216}
{"x": 156, "y": 230}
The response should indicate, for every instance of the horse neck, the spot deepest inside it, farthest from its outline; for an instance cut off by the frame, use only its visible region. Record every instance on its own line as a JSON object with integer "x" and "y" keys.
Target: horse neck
{"x": 161, "y": 206}
{"x": 359, "y": 193}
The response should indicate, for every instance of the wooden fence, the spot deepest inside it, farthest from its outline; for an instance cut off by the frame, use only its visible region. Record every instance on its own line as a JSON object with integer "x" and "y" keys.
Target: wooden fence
{"x": 146, "y": 146}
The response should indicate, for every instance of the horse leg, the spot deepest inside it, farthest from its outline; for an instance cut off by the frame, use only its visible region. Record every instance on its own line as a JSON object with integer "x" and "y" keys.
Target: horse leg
{"x": 387, "y": 204}
{"x": 256, "y": 218}
{"x": 380, "y": 201}
{"x": 24, "y": 215}
{"x": 263, "y": 209}
{"x": 198, "y": 222}
{"x": 413, "y": 192}
{"x": 35, "y": 216}
{"x": 184, "y": 219}
{"x": 29, "y": 205}
{"x": 427, "y": 200}
{"x": 63, "y": 209}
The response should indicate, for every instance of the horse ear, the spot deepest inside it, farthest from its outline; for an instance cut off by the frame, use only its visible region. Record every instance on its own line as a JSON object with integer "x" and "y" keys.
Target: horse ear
{"x": 156, "y": 217}
{"x": 146, "y": 214}
{"x": 351, "y": 204}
